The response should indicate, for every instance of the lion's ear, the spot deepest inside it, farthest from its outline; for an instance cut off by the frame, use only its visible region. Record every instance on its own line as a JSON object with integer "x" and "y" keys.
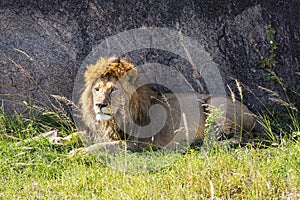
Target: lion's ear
{"x": 132, "y": 75}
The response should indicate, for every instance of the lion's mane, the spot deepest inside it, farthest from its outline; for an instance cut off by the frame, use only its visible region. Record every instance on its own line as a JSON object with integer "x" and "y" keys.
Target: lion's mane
{"x": 139, "y": 105}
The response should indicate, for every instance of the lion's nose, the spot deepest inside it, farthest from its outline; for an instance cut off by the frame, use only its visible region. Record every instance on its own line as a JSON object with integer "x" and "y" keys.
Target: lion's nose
{"x": 101, "y": 105}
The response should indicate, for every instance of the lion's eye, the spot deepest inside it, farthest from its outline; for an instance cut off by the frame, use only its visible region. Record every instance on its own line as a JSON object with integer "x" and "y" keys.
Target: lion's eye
{"x": 113, "y": 90}
{"x": 97, "y": 89}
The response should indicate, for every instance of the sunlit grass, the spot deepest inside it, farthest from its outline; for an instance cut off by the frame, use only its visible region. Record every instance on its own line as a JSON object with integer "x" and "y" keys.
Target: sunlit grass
{"x": 42, "y": 170}
{"x": 34, "y": 168}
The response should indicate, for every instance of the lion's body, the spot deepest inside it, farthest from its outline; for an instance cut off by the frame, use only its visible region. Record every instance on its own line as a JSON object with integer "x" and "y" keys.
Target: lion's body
{"x": 106, "y": 95}
{"x": 229, "y": 117}
{"x": 236, "y": 116}
{"x": 101, "y": 122}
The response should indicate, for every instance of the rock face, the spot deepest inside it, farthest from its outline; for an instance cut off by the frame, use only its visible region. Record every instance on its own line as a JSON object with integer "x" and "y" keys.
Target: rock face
{"x": 43, "y": 43}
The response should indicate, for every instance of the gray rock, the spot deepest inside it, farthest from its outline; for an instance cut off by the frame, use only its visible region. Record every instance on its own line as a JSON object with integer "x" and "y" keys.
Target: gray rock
{"x": 44, "y": 43}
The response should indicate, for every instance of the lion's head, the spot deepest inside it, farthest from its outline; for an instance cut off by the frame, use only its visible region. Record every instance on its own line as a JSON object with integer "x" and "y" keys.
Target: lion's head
{"x": 108, "y": 83}
{"x": 102, "y": 78}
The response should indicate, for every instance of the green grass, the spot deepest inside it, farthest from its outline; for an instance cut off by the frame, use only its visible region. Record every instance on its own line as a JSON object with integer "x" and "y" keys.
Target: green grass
{"x": 33, "y": 168}
{"x": 40, "y": 170}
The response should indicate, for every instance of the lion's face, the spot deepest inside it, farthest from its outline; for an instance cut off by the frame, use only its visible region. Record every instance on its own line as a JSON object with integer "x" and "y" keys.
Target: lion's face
{"x": 107, "y": 84}
{"x": 103, "y": 91}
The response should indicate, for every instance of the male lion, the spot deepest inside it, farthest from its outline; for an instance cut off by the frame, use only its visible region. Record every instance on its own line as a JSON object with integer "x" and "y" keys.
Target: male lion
{"x": 116, "y": 111}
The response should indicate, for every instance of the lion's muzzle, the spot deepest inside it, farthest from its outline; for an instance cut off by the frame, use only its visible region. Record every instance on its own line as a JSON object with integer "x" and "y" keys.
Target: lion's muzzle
{"x": 103, "y": 113}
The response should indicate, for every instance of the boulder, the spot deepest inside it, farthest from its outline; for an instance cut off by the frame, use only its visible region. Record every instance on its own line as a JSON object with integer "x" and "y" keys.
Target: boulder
{"x": 44, "y": 43}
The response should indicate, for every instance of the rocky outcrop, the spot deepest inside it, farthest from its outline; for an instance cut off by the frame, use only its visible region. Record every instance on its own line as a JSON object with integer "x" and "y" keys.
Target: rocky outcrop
{"x": 44, "y": 43}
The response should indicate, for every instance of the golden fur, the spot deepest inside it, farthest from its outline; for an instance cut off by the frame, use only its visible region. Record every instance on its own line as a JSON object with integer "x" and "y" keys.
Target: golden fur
{"x": 102, "y": 74}
{"x": 100, "y": 82}
{"x": 103, "y": 80}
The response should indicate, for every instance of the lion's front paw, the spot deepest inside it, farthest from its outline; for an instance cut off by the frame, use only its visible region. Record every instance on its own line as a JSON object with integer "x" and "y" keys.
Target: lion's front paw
{"x": 79, "y": 151}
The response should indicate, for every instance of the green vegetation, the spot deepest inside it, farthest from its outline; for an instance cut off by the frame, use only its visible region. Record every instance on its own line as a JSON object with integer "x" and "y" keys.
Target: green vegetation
{"x": 34, "y": 168}
{"x": 43, "y": 171}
